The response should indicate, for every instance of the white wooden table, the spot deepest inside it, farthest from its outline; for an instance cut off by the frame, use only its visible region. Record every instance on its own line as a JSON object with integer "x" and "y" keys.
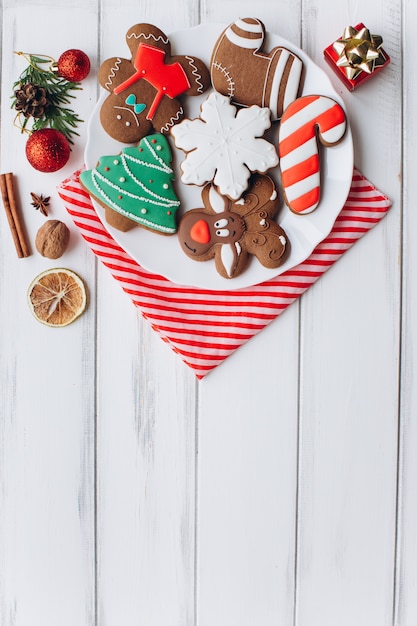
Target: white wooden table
{"x": 280, "y": 490}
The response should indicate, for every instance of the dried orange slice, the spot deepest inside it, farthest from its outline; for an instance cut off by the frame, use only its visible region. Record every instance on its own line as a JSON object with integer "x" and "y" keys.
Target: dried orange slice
{"x": 57, "y": 297}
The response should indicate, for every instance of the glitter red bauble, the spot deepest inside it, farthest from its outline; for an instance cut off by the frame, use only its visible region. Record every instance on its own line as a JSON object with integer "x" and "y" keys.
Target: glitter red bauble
{"x": 47, "y": 150}
{"x": 73, "y": 65}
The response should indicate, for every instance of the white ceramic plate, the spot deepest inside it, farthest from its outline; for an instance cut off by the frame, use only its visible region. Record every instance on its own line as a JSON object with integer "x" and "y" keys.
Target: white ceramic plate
{"x": 163, "y": 254}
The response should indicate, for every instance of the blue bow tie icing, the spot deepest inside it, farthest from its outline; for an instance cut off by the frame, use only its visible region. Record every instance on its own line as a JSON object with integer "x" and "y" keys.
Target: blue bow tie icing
{"x": 131, "y": 101}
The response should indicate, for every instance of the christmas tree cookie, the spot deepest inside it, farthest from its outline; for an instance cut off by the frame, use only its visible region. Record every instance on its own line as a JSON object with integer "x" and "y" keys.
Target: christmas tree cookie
{"x": 137, "y": 183}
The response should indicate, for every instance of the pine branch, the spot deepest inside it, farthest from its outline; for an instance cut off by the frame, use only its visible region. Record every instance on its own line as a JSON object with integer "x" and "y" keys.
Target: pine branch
{"x": 41, "y": 71}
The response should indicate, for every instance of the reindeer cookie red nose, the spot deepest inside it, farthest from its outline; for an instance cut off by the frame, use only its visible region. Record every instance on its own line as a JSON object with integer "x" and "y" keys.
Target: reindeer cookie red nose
{"x": 200, "y": 232}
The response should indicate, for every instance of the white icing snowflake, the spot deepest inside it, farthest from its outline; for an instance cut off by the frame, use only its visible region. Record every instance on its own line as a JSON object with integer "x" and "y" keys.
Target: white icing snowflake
{"x": 224, "y": 146}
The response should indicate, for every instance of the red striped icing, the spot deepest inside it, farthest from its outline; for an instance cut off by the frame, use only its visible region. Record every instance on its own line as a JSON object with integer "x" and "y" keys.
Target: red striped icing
{"x": 306, "y": 200}
{"x": 205, "y": 327}
{"x": 316, "y": 115}
{"x": 305, "y": 168}
{"x": 299, "y": 104}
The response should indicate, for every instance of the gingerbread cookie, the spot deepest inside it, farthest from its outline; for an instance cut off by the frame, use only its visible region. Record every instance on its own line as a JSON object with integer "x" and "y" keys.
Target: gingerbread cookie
{"x": 230, "y": 232}
{"x": 225, "y": 145}
{"x": 240, "y": 68}
{"x": 144, "y": 92}
{"x": 137, "y": 185}
{"x": 307, "y": 121}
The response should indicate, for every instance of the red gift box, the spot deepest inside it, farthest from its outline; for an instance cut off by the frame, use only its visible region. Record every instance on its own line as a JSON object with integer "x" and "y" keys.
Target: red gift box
{"x": 333, "y": 57}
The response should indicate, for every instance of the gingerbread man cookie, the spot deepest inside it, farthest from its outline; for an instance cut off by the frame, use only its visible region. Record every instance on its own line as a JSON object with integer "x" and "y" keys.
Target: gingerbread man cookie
{"x": 144, "y": 92}
{"x": 231, "y": 231}
{"x": 240, "y": 68}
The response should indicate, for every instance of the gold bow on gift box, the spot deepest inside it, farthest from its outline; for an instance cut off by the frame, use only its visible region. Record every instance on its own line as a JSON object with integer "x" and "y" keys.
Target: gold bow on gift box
{"x": 358, "y": 51}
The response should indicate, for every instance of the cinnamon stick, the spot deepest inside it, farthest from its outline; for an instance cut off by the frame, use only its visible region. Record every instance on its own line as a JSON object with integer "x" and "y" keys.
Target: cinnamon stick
{"x": 13, "y": 214}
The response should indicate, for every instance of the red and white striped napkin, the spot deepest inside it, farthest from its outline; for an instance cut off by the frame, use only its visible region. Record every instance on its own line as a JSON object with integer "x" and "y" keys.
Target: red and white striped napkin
{"x": 204, "y": 327}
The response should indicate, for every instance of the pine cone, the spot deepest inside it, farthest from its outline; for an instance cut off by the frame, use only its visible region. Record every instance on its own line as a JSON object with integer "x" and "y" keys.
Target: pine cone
{"x": 31, "y": 100}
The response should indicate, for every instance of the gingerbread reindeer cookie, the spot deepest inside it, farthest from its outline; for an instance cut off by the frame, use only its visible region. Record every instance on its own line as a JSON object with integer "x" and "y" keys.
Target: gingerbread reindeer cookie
{"x": 231, "y": 231}
{"x": 242, "y": 70}
{"x": 145, "y": 92}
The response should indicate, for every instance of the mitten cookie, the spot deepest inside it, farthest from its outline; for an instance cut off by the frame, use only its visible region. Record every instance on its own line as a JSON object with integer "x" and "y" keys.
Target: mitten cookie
{"x": 240, "y": 69}
{"x": 136, "y": 186}
{"x": 231, "y": 231}
{"x": 145, "y": 91}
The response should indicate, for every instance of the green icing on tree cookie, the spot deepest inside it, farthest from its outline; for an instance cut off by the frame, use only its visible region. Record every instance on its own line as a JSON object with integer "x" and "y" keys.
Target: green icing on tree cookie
{"x": 138, "y": 184}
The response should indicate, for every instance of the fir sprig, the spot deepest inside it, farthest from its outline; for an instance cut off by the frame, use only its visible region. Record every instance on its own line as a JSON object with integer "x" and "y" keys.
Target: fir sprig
{"x": 42, "y": 71}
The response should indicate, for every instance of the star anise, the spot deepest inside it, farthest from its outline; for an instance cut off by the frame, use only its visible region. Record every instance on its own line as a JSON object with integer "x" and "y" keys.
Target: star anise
{"x": 40, "y": 203}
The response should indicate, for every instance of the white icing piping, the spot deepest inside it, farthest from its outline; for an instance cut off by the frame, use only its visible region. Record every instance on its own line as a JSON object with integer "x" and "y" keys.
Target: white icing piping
{"x": 195, "y": 73}
{"x": 130, "y": 157}
{"x": 112, "y": 74}
{"x": 291, "y": 89}
{"x": 217, "y": 202}
{"x": 95, "y": 174}
{"x": 164, "y": 166}
{"x": 148, "y": 36}
{"x": 172, "y": 121}
{"x": 243, "y": 42}
{"x": 229, "y": 254}
{"x": 280, "y": 68}
{"x": 248, "y": 26}
{"x": 137, "y": 218}
{"x": 130, "y": 111}
{"x": 145, "y": 188}
{"x": 227, "y": 75}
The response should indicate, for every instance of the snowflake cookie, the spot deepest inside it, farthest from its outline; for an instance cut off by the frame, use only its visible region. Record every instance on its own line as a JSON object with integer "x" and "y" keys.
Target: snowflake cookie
{"x": 225, "y": 146}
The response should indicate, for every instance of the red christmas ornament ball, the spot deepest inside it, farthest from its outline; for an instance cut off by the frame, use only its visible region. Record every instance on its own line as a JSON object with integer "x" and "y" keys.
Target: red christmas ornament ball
{"x": 73, "y": 65}
{"x": 47, "y": 150}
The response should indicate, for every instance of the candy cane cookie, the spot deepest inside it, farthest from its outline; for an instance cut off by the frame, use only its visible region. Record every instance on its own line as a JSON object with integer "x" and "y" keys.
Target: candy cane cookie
{"x": 306, "y": 122}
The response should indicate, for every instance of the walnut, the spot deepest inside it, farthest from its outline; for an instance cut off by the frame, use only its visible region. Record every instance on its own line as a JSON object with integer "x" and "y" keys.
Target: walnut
{"x": 52, "y": 239}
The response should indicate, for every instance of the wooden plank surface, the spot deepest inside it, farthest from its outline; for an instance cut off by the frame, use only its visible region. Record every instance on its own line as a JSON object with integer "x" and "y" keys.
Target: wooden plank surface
{"x": 281, "y": 488}
{"x": 248, "y": 433}
{"x": 350, "y": 371}
{"x": 146, "y": 430}
{"x": 406, "y": 571}
{"x": 47, "y": 375}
